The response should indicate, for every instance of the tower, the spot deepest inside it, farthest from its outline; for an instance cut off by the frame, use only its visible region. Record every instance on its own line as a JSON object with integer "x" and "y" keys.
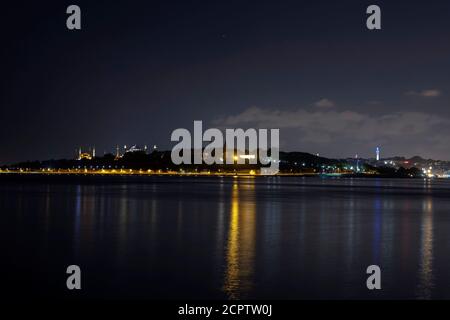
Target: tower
{"x": 378, "y": 153}
{"x": 93, "y": 152}
{"x": 357, "y": 163}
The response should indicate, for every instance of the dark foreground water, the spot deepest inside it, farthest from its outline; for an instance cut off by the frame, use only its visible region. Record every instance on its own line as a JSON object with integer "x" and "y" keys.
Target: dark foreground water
{"x": 189, "y": 238}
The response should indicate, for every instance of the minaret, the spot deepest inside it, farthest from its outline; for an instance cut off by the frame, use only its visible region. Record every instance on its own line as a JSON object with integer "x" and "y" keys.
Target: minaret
{"x": 357, "y": 163}
{"x": 378, "y": 153}
{"x": 93, "y": 152}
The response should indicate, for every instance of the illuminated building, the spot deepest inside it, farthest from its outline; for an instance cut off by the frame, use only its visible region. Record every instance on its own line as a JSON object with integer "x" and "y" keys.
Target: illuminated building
{"x": 247, "y": 156}
{"x": 135, "y": 148}
{"x": 85, "y": 155}
{"x": 378, "y": 153}
{"x": 132, "y": 149}
{"x": 118, "y": 156}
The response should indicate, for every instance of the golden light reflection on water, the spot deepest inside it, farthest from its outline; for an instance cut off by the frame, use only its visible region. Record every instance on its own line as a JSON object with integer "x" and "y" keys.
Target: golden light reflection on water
{"x": 240, "y": 251}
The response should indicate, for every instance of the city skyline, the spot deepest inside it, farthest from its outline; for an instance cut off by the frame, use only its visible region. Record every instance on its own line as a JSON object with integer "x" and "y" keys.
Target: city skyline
{"x": 116, "y": 150}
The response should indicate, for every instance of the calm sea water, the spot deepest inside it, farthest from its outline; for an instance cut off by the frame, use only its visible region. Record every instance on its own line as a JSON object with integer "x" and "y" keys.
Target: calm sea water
{"x": 226, "y": 238}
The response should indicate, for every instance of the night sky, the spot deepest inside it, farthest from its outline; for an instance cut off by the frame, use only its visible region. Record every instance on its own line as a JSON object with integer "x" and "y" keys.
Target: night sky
{"x": 140, "y": 69}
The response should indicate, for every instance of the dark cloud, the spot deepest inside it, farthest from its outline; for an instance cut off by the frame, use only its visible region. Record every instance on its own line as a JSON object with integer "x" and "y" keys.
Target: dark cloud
{"x": 340, "y": 133}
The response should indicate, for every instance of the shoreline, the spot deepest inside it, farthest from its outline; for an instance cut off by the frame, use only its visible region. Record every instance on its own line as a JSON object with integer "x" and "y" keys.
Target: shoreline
{"x": 147, "y": 173}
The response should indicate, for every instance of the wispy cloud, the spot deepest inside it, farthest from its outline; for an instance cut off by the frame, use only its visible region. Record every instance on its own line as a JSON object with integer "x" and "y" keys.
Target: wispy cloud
{"x": 430, "y": 93}
{"x": 324, "y": 103}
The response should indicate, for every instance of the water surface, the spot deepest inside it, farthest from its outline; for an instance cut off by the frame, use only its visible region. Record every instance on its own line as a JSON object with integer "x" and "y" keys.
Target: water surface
{"x": 226, "y": 238}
